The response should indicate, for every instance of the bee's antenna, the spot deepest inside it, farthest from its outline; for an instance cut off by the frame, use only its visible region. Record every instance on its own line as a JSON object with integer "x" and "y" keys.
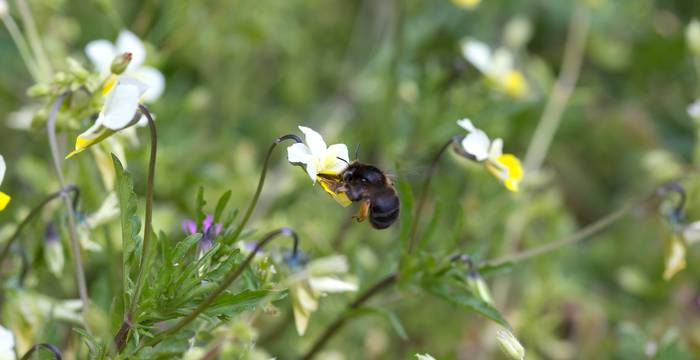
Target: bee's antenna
{"x": 343, "y": 160}
{"x": 357, "y": 152}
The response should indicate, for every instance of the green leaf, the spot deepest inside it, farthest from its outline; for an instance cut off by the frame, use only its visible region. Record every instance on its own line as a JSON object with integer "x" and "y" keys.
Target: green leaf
{"x": 221, "y": 205}
{"x": 130, "y": 222}
{"x": 459, "y": 294}
{"x": 490, "y": 270}
{"x": 183, "y": 247}
{"x": 386, "y": 314}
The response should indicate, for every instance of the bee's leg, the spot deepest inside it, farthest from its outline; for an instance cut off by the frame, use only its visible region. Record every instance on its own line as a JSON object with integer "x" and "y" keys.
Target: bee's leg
{"x": 363, "y": 212}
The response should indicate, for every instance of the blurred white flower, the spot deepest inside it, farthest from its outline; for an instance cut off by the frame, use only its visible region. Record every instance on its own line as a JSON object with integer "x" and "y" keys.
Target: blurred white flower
{"x": 318, "y": 158}
{"x": 424, "y": 357}
{"x": 102, "y": 53}
{"x": 509, "y": 344}
{"x": 694, "y": 110}
{"x": 692, "y": 35}
{"x": 309, "y": 284}
{"x": 505, "y": 167}
{"x": 118, "y": 112}
{"x": 4, "y": 198}
{"x": 497, "y": 66}
{"x": 7, "y": 343}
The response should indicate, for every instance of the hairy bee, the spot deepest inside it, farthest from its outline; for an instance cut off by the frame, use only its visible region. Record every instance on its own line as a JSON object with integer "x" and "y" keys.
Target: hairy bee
{"x": 370, "y": 186}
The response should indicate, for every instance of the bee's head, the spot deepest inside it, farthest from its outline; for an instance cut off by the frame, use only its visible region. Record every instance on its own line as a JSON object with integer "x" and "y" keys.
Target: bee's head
{"x": 361, "y": 174}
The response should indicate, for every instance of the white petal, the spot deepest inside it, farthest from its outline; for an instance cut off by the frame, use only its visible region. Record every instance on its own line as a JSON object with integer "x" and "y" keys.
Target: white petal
{"x": 477, "y": 145}
{"x": 314, "y": 141}
{"x": 332, "y": 161}
{"x": 101, "y": 53}
{"x": 7, "y": 343}
{"x": 477, "y": 53}
{"x": 466, "y": 124}
{"x": 331, "y": 285}
{"x": 298, "y": 153}
{"x": 328, "y": 265}
{"x": 694, "y": 109}
{"x": 691, "y": 232}
{"x": 121, "y": 103}
{"x": 502, "y": 62}
{"x": 128, "y": 42}
{"x": 3, "y": 167}
{"x": 153, "y": 78}
{"x": 496, "y": 149}
{"x": 312, "y": 170}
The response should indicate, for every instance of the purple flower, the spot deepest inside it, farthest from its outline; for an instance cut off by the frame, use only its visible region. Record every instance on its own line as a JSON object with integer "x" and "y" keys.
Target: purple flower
{"x": 209, "y": 232}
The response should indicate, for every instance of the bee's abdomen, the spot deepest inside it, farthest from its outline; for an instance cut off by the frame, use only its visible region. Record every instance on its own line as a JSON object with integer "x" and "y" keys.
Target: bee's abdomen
{"x": 383, "y": 209}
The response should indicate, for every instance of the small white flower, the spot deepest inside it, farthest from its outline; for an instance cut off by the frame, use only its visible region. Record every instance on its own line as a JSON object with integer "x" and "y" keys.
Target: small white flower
{"x": 317, "y": 156}
{"x": 424, "y": 357}
{"x": 506, "y": 167}
{"x": 102, "y": 53}
{"x": 694, "y": 109}
{"x": 118, "y": 112}
{"x": 7, "y": 344}
{"x": 4, "y": 198}
{"x": 509, "y": 344}
{"x": 317, "y": 279}
{"x": 497, "y": 66}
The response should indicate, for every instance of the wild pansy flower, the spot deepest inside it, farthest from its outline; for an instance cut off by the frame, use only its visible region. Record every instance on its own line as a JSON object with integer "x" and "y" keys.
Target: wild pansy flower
{"x": 122, "y": 97}
{"x": 308, "y": 283}
{"x": 4, "y": 198}
{"x": 318, "y": 158}
{"x": 497, "y": 66}
{"x": 467, "y": 4}
{"x": 102, "y": 53}
{"x": 7, "y": 344}
{"x": 506, "y": 167}
{"x": 209, "y": 232}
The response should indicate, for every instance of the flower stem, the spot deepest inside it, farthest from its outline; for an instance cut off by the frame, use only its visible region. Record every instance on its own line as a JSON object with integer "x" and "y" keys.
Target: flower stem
{"x": 228, "y": 280}
{"x": 32, "y": 214}
{"x": 50, "y": 347}
{"x": 578, "y": 236}
{"x": 261, "y": 182}
{"x": 424, "y": 191}
{"x": 75, "y": 246}
{"x": 333, "y": 329}
{"x": 122, "y": 334}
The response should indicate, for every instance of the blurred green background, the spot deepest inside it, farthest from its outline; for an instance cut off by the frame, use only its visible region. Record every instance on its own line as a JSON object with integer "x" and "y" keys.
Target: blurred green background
{"x": 388, "y": 76}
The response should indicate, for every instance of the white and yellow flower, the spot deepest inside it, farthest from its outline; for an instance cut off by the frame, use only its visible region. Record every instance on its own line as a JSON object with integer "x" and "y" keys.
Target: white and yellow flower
{"x": 318, "y": 158}
{"x": 314, "y": 281}
{"x": 120, "y": 110}
{"x": 467, "y": 4}
{"x": 424, "y": 357}
{"x": 497, "y": 66}
{"x": 505, "y": 167}
{"x": 103, "y": 52}
{"x": 4, "y": 198}
{"x": 7, "y": 344}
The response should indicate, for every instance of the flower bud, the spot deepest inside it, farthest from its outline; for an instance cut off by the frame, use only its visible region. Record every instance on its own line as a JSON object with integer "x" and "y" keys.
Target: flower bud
{"x": 509, "y": 344}
{"x": 518, "y": 32}
{"x": 478, "y": 286}
{"x": 692, "y": 36}
{"x": 53, "y": 250}
{"x": 77, "y": 69}
{"x": 38, "y": 90}
{"x": 120, "y": 63}
{"x": 4, "y": 9}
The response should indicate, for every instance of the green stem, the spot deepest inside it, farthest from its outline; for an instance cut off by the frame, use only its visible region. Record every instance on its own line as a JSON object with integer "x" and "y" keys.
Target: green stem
{"x": 50, "y": 347}
{"x": 75, "y": 245}
{"x": 261, "y": 182}
{"x": 34, "y": 40}
{"x": 338, "y": 324}
{"x": 22, "y": 46}
{"x": 32, "y": 214}
{"x": 228, "y": 280}
{"x": 122, "y": 335}
{"x": 424, "y": 191}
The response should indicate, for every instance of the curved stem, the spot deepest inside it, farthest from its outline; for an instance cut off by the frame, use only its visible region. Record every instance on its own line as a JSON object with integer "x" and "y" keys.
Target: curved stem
{"x": 228, "y": 280}
{"x": 75, "y": 246}
{"x": 261, "y": 182}
{"x": 32, "y": 214}
{"x": 578, "y": 236}
{"x": 56, "y": 352}
{"x": 424, "y": 191}
{"x": 122, "y": 334}
{"x": 332, "y": 329}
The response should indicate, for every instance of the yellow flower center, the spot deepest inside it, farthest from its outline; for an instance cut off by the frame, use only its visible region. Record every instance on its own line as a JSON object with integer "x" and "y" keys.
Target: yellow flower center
{"x": 508, "y": 169}
{"x": 4, "y": 200}
{"x": 109, "y": 84}
{"x": 514, "y": 84}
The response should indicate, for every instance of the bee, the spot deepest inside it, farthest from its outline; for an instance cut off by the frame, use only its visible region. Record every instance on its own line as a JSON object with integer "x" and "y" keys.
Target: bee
{"x": 368, "y": 185}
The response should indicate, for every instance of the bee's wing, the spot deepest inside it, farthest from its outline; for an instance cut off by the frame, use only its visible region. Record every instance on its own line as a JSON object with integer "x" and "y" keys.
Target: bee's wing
{"x": 416, "y": 173}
